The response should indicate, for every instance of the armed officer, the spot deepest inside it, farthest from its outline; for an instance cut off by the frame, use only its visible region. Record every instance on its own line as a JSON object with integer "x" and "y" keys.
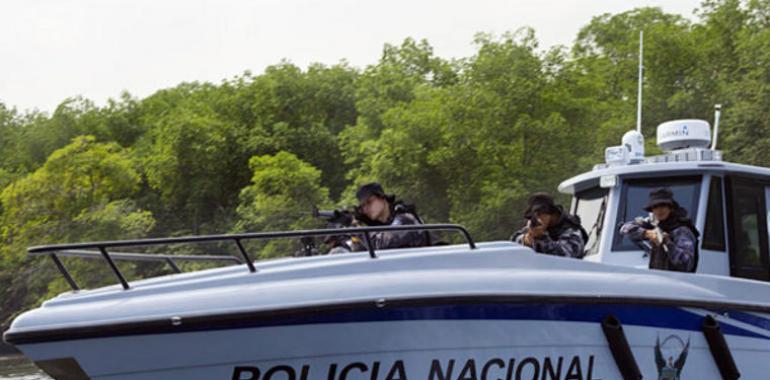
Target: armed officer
{"x": 667, "y": 234}
{"x": 550, "y": 229}
{"x": 378, "y": 209}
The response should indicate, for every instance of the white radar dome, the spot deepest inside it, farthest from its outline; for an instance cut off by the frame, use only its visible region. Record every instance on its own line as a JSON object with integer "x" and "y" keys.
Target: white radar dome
{"x": 683, "y": 134}
{"x": 634, "y": 142}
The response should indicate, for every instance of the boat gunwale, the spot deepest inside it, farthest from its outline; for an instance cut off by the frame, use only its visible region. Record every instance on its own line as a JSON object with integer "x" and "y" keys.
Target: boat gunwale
{"x": 224, "y": 321}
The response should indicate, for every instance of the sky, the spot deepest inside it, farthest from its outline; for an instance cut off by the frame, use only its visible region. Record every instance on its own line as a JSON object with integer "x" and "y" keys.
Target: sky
{"x": 54, "y": 49}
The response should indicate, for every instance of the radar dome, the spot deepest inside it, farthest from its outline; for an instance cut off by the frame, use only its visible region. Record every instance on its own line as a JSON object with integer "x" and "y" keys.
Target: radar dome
{"x": 683, "y": 134}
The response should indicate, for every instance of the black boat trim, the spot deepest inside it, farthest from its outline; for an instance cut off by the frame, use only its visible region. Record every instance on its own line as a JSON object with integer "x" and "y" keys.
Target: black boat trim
{"x": 182, "y": 323}
{"x": 719, "y": 349}
{"x": 620, "y": 349}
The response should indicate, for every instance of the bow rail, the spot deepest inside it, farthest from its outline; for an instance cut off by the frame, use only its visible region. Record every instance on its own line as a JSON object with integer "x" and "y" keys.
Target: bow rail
{"x": 99, "y": 249}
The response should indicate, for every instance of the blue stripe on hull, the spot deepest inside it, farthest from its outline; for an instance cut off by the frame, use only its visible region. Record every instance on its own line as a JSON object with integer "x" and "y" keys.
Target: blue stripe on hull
{"x": 750, "y": 319}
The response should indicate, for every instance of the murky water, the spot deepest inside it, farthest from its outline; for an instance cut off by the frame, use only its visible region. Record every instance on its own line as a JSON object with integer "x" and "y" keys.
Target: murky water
{"x": 19, "y": 368}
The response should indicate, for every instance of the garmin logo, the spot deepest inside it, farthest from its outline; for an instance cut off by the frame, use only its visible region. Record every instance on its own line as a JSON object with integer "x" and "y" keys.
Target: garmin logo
{"x": 682, "y": 131}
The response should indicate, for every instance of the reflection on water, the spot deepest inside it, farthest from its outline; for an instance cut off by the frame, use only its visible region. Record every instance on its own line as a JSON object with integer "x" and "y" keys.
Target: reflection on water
{"x": 19, "y": 368}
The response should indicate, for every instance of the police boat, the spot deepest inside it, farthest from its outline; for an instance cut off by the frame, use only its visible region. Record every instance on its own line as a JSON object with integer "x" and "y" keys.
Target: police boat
{"x": 491, "y": 310}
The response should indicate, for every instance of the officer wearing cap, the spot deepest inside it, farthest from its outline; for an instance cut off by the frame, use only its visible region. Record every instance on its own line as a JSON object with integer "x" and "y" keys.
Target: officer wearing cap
{"x": 668, "y": 232}
{"x": 550, "y": 229}
{"x": 379, "y": 209}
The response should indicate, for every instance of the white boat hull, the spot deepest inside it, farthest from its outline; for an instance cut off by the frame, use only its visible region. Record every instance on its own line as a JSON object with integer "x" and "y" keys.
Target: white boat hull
{"x": 439, "y": 342}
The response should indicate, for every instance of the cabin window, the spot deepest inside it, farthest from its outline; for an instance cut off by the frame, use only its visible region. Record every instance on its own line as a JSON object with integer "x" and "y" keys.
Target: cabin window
{"x": 636, "y": 194}
{"x": 590, "y": 207}
{"x": 748, "y": 248}
{"x": 714, "y": 230}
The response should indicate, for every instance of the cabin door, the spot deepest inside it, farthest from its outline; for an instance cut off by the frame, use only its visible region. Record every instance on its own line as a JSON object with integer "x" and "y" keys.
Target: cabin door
{"x": 747, "y": 217}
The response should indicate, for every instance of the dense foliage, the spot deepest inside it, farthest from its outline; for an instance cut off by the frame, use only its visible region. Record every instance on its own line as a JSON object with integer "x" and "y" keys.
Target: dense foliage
{"x": 466, "y": 140}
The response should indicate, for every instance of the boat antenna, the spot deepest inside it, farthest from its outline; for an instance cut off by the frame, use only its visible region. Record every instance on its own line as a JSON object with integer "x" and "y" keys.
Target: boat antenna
{"x": 639, "y": 96}
{"x": 717, "y": 113}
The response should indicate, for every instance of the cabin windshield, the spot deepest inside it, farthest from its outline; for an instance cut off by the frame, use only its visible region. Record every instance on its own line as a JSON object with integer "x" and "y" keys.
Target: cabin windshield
{"x": 635, "y": 194}
{"x": 590, "y": 206}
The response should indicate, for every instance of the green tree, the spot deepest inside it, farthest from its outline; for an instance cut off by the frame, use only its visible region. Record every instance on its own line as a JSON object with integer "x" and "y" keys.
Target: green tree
{"x": 607, "y": 49}
{"x": 747, "y": 112}
{"x": 82, "y": 191}
{"x": 391, "y": 83}
{"x": 283, "y": 191}
{"x": 469, "y": 152}
{"x": 188, "y": 157}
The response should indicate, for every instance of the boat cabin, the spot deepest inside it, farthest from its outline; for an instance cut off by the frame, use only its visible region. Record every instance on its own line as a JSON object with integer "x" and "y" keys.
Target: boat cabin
{"x": 728, "y": 202}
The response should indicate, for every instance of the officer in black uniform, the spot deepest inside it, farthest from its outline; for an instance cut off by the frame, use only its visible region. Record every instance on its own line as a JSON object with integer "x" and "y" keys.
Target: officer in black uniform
{"x": 668, "y": 234}
{"x": 550, "y": 229}
{"x": 379, "y": 209}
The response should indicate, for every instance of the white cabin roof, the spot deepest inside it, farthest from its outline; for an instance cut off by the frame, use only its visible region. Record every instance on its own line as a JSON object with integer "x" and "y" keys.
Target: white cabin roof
{"x": 658, "y": 169}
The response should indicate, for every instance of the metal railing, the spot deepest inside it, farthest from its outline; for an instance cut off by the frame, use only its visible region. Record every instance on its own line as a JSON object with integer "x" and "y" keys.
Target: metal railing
{"x": 85, "y": 250}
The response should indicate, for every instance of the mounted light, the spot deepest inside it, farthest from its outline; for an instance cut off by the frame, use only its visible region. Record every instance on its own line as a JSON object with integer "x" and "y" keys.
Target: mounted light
{"x": 608, "y": 181}
{"x": 616, "y": 155}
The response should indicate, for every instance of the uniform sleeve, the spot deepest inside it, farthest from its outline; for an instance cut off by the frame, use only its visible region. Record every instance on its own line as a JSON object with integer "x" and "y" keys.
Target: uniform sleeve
{"x": 518, "y": 236}
{"x": 400, "y": 239}
{"x": 634, "y": 231}
{"x": 681, "y": 249}
{"x": 568, "y": 244}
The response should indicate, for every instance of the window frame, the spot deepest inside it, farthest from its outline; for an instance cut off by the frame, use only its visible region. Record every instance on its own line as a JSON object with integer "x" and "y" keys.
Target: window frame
{"x": 705, "y": 242}
{"x": 604, "y": 194}
{"x": 762, "y": 271}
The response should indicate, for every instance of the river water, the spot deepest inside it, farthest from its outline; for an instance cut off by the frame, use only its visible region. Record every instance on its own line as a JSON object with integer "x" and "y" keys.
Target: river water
{"x": 19, "y": 368}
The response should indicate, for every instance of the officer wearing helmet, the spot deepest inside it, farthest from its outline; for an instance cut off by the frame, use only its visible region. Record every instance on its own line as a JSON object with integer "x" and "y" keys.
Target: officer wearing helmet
{"x": 379, "y": 209}
{"x": 550, "y": 229}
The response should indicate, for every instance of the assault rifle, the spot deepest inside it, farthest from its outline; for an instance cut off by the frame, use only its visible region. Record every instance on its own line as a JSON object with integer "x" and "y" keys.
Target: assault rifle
{"x": 533, "y": 220}
{"x": 337, "y": 218}
{"x": 652, "y": 223}
{"x": 341, "y": 218}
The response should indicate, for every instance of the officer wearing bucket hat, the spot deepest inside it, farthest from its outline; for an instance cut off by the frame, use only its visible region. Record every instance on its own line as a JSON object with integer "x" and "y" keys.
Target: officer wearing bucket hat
{"x": 379, "y": 209}
{"x": 667, "y": 234}
{"x": 550, "y": 229}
